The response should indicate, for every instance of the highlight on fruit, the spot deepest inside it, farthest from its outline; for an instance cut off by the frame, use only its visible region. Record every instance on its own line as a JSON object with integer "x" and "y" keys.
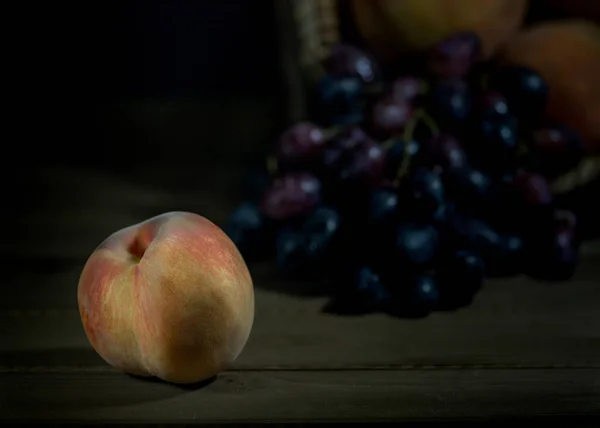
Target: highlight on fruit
{"x": 170, "y": 297}
{"x": 403, "y": 189}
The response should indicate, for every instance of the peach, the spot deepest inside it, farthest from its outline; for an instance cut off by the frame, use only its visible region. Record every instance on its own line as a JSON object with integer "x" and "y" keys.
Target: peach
{"x": 393, "y": 27}
{"x": 170, "y": 297}
{"x": 567, "y": 55}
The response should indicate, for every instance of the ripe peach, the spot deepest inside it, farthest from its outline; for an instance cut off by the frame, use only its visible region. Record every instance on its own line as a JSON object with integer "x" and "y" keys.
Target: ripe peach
{"x": 170, "y": 297}
{"x": 392, "y": 27}
{"x": 567, "y": 56}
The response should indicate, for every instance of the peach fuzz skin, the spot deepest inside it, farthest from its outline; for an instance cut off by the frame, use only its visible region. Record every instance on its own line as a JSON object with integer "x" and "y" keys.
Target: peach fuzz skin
{"x": 170, "y": 297}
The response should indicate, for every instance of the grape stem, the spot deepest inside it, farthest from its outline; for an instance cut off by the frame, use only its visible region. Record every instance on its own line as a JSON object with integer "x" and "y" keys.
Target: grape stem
{"x": 485, "y": 81}
{"x": 388, "y": 144}
{"x": 331, "y": 132}
{"x": 428, "y": 120}
{"x": 376, "y": 88}
{"x": 272, "y": 166}
{"x": 588, "y": 170}
{"x": 522, "y": 150}
{"x": 409, "y": 131}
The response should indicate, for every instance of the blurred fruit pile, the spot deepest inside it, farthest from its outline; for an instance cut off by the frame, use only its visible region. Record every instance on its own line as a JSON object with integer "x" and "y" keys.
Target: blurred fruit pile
{"x": 405, "y": 190}
{"x": 565, "y": 52}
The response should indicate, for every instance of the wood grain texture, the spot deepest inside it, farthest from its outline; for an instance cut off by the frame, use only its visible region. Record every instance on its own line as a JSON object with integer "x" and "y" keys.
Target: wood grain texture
{"x": 512, "y": 322}
{"x": 307, "y": 395}
{"x": 524, "y": 349}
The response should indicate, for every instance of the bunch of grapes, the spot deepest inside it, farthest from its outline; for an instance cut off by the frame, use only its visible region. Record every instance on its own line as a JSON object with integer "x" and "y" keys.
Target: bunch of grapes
{"x": 403, "y": 193}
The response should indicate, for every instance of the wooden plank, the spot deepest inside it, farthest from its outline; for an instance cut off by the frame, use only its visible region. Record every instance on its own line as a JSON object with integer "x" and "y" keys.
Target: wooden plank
{"x": 512, "y": 323}
{"x": 524, "y": 348}
{"x": 305, "y": 395}
{"x": 78, "y": 208}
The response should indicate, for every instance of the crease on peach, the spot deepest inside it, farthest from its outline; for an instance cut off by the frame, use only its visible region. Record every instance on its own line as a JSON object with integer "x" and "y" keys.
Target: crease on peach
{"x": 139, "y": 315}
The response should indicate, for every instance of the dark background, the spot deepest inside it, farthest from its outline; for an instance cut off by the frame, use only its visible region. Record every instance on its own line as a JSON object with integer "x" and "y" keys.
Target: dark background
{"x": 68, "y": 63}
{"x": 153, "y": 93}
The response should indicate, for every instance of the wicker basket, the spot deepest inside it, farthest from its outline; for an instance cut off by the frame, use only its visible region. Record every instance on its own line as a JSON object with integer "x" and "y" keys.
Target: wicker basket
{"x": 308, "y": 30}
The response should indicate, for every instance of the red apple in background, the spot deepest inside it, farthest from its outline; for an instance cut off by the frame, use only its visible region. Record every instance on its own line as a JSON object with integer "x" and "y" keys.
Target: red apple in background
{"x": 170, "y": 297}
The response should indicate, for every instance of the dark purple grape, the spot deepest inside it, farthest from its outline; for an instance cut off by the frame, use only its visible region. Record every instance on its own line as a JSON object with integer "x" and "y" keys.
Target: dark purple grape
{"x": 473, "y": 233}
{"x": 445, "y": 151}
{"x": 349, "y": 61}
{"x": 406, "y": 89}
{"x": 291, "y": 259}
{"x": 556, "y": 150}
{"x": 369, "y": 289}
{"x": 444, "y": 214}
{"x": 339, "y": 100}
{"x": 248, "y": 230}
{"x": 494, "y": 144}
{"x": 565, "y": 254}
{"x": 383, "y": 207}
{"x": 460, "y": 277}
{"x": 365, "y": 167}
{"x": 454, "y": 56}
{"x": 499, "y": 132}
{"x": 417, "y": 298}
{"x": 554, "y": 251}
{"x": 450, "y": 103}
{"x": 397, "y": 153}
{"x": 292, "y": 195}
{"x": 354, "y": 159}
{"x": 533, "y": 189}
{"x": 389, "y": 117}
{"x": 565, "y": 219}
{"x": 416, "y": 246}
{"x": 377, "y": 232}
{"x": 361, "y": 293}
{"x": 491, "y": 104}
{"x": 424, "y": 295}
{"x": 501, "y": 253}
{"x": 299, "y": 145}
{"x": 525, "y": 90}
{"x": 343, "y": 145}
{"x": 320, "y": 231}
{"x": 511, "y": 256}
{"x": 426, "y": 290}
{"x": 425, "y": 193}
{"x": 588, "y": 213}
{"x": 473, "y": 190}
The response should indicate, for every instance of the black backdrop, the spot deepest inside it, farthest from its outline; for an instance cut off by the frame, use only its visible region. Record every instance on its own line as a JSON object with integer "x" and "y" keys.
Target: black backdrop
{"x": 66, "y": 61}
{"x": 131, "y": 48}
{"x": 130, "y": 88}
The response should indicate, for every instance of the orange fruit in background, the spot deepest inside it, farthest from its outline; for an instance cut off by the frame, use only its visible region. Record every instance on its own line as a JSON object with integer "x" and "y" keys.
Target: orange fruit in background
{"x": 567, "y": 56}
{"x": 393, "y": 27}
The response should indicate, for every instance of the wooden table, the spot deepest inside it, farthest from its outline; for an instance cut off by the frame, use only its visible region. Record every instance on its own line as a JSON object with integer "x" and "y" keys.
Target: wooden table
{"x": 524, "y": 350}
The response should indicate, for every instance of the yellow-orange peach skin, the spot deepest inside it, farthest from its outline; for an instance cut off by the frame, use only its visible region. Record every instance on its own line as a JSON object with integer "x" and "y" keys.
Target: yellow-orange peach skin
{"x": 170, "y": 297}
